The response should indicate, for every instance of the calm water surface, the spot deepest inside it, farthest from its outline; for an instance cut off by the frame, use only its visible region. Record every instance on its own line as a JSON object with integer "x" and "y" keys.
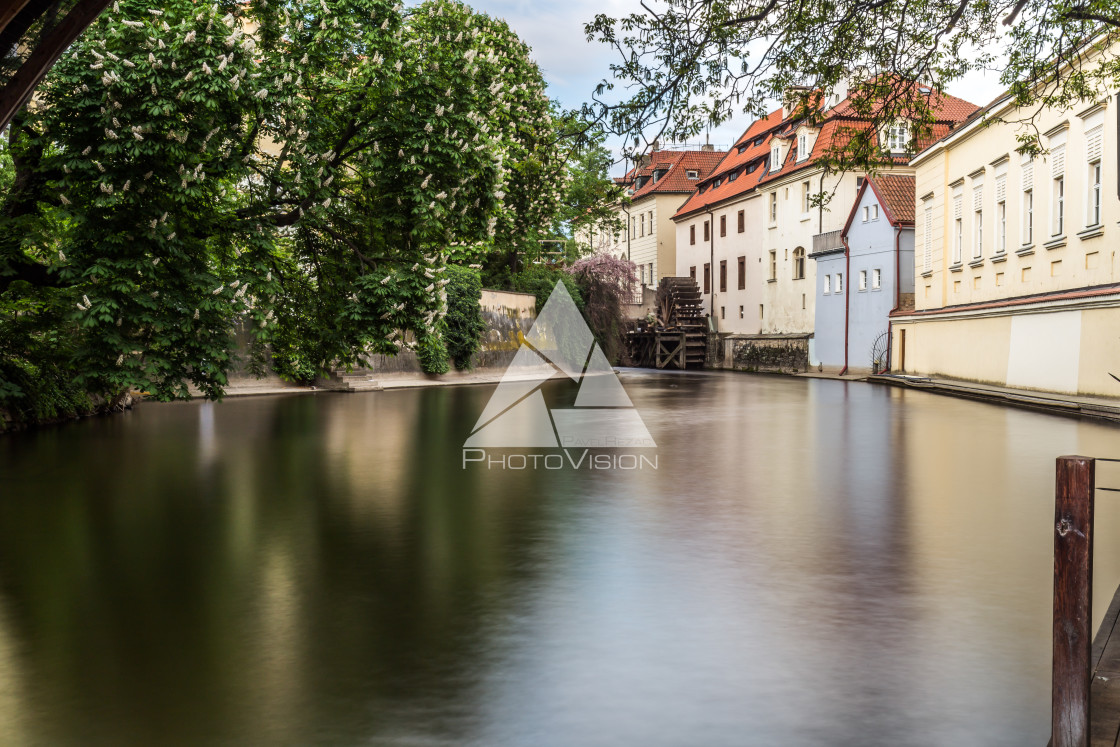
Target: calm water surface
{"x": 813, "y": 563}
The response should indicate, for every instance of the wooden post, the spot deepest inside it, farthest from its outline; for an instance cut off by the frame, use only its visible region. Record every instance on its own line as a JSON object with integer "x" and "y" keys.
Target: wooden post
{"x": 1073, "y": 600}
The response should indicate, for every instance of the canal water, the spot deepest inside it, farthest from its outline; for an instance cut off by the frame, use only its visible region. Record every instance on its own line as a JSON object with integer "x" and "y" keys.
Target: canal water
{"x": 811, "y": 563}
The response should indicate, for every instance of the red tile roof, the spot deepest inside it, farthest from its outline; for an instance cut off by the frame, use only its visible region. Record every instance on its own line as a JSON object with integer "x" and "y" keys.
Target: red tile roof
{"x": 896, "y": 193}
{"x": 676, "y": 164}
{"x": 747, "y": 163}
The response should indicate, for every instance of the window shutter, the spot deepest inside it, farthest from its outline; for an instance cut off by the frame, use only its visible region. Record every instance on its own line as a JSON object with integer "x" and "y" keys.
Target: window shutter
{"x": 978, "y": 198}
{"x": 927, "y": 262}
{"x": 1001, "y": 189}
{"x": 1028, "y": 174}
{"x": 957, "y": 207}
{"x": 1093, "y": 143}
{"x": 1058, "y": 162}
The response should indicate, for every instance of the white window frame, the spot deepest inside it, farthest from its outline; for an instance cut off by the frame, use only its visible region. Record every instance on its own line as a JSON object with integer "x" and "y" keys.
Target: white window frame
{"x": 876, "y": 279}
{"x": 827, "y": 284}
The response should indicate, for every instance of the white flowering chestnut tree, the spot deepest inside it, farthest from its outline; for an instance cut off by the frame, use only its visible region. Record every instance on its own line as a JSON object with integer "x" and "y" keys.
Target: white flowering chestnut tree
{"x": 303, "y": 171}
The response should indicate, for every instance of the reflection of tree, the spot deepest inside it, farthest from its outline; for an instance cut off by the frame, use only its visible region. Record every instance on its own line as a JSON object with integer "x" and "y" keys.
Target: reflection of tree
{"x": 271, "y": 592}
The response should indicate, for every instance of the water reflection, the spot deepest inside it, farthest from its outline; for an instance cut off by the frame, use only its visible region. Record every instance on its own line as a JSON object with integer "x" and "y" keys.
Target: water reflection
{"x": 814, "y": 562}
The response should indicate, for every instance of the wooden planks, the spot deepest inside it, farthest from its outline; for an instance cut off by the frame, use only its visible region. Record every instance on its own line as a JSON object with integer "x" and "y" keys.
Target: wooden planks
{"x": 1104, "y": 724}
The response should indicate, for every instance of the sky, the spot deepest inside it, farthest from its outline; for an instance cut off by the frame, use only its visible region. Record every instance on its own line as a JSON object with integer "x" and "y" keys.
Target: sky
{"x": 572, "y": 66}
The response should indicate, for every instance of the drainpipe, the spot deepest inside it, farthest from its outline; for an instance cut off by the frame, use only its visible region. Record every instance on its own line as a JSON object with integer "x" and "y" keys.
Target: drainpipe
{"x": 897, "y": 295}
{"x": 847, "y": 296}
{"x": 820, "y": 208}
{"x": 712, "y": 265}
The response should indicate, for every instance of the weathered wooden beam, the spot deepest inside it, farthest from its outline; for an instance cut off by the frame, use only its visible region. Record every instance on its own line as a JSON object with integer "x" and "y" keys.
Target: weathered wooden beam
{"x": 8, "y": 14}
{"x": 17, "y": 90}
{"x": 1075, "y": 483}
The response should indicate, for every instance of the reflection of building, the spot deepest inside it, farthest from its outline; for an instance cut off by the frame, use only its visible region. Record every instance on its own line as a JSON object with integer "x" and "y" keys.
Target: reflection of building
{"x": 657, "y": 186}
{"x": 864, "y": 272}
{"x": 1017, "y": 277}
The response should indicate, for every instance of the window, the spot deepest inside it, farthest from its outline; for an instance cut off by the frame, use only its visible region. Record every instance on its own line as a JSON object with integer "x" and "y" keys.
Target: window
{"x": 740, "y": 312}
{"x": 1058, "y": 189}
{"x": 898, "y": 137}
{"x": 870, "y": 213}
{"x": 1093, "y": 144}
{"x": 650, "y": 222}
{"x": 723, "y": 225}
{"x": 722, "y": 310}
{"x": 775, "y": 158}
{"x": 707, "y": 231}
{"x": 707, "y": 278}
{"x": 863, "y": 280}
{"x": 742, "y": 273}
{"x": 802, "y": 147}
{"x": 927, "y": 240}
{"x": 958, "y": 228}
{"x": 773, "y": 264}
{"x": 642, "y": 274}
{"x": 978, "y": 221}
{"x": 733, "y": 175}
{"x": 876, "y": 279}
{"x": 723, "y": 276}
{"x": 839, "y": 282}
{"x": 651, "y": 280}
{"x": 875, "y": 212}
{"x": 692, "y": 272}
{"x": 805, "y": 199}
{"x": 1001, "y": 214}
{"x": 1059, "y": 206}
{"x": 692, "y": 173}
{"x": 642, "y": 225}
{"x": 798, "y": 264}
{"x": 742, "y": 221}
{"x": 773, "y": 208}
{"x": 827, "y": 284}
{"x": 692, "y": 235}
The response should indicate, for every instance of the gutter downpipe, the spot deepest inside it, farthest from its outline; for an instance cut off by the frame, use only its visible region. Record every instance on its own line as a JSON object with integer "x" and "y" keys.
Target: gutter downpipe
{"x": 712, "y": 266}
{"x": 847, "y": 296}
{"x": 897, "y": 295}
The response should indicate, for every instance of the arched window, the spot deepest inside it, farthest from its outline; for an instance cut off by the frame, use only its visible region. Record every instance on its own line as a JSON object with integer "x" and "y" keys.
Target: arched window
{"x": 798, "y": 263}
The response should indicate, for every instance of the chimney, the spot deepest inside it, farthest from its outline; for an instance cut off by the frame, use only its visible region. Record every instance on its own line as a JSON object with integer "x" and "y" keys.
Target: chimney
{"x": 793, "y": 100}
{"x": 707, "y": 147}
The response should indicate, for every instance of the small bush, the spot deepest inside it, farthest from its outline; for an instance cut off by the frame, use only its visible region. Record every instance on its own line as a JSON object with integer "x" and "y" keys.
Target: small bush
{"x": 465, "y": 325}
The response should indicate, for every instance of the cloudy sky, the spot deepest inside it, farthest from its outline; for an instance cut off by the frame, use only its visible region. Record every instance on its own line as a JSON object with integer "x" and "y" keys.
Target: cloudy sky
{"x": 573, "y": 66}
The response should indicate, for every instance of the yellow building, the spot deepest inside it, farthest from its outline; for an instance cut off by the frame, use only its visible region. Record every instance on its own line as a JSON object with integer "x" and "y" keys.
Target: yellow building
{"x": 657, "y": 186}
{"x": 1016, "y": 279}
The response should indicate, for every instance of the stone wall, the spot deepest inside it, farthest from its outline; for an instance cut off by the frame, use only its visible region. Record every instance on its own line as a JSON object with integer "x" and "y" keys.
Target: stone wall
{"x": 766, "y": 353}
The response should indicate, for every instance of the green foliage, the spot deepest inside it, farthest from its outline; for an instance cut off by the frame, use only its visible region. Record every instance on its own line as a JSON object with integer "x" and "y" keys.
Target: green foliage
{"x": 433, "y": 356}
{"x": 541, "y": 279}
{"x": 308, "y": 171}
{"x": 465, "y": 325}
{"x": 689, "y": 65}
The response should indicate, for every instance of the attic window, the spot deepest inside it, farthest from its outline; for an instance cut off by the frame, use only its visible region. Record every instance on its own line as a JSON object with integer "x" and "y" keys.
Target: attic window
{"x": 925, "y": 89}
{"x": 775, "y": 158}
{"x": 898, "y": 137}
{"x": 692, "y": 174}
{"x": 743, "y": 147}
{"x": 752, "y": 167}
{"x": 703, "y": 188}
{"x": 659, "y": 173}
{"x": 758, "y": 140}
{"x": 734, "y": 175}
{"x": 718, "y": 182}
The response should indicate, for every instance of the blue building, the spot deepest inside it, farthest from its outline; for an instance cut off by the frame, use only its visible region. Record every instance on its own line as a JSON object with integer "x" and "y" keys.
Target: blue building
{"x": 864, "y": 272}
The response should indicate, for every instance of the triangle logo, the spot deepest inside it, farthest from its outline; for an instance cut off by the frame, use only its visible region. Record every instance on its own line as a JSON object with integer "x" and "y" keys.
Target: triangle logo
{"x": 559, "y": 345}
